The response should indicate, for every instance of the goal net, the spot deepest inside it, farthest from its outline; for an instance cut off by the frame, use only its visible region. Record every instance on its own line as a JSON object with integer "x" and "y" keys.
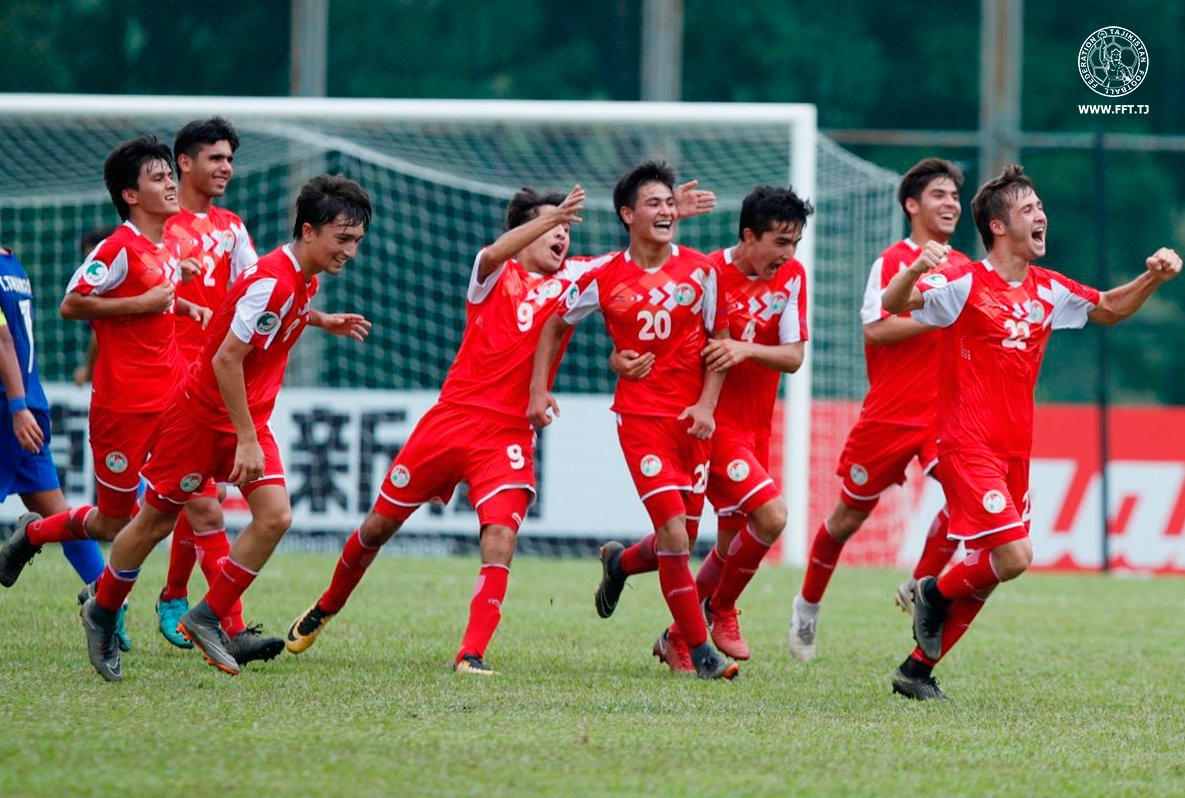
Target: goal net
{"x": 439, "y": 174}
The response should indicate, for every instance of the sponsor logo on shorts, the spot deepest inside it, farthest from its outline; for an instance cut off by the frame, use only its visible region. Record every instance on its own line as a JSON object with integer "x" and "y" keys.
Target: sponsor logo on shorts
{"x": 400, "y": 476}
{"x": 267, "y": 323}
{"x": 777, "y": 303}
{"x": 650, "y": 465}
{"x": 191, "y": 482}
{"x": 935, "y": 280}
{"x": 551, "y": 289}
{"x": 858, "y": 474}
{"x": 685, "y": 294}
{"x": 994, "y": 502}
{"x": 738, "y": 470}
{"x": 95, "y": 273}
{"x": 117, "y": 462}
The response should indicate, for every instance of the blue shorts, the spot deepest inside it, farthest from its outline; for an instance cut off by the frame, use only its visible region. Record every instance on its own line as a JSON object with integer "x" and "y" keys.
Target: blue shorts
{"x": 21, "y": 472}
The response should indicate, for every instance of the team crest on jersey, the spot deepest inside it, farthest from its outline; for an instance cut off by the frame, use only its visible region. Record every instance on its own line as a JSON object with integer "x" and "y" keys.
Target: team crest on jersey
{"x": 1036, "y": 311}
{"x": 116, "y": 462}
{"x": 551, "y": 289}
{"x": 651, "y": 465}
{"x": 859, "y": 474}
{"x": 685, "y": 294}
{"x": 400, "y": 476}
{"x": 777, "y": 302}
{"x": 935, "y": 280}
{"x": 95, "y": 273}
{"x": 191, "y": 481}
{"x": 228, "y": 241}
{"x": 571, "y": 296}
{"x": 267, "y": 323}
{"x": 994, "y": 502}
{"x": 738, "y": 470}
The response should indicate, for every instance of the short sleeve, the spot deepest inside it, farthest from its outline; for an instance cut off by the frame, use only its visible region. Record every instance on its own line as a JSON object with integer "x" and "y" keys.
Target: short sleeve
{"x": 99, "y": 273}
{"x": 1072, "y": 302}
{"x": 944, "y": 295}
{"x": 259, "y": 313}
{"x": 792, "y": 326}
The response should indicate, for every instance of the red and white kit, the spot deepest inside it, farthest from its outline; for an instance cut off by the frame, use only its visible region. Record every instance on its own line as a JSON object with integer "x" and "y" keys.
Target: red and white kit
{"x": 268, "y": 308}
{"x": 897, "y": 419}
{"x": 771, "y": 313}
{"x": 670, "y": 312}
{"x": 478, "y": 431}
{"x": 138, "y": 365}
{"x": 217, "y": 239}
{"x": 990, "y": 355}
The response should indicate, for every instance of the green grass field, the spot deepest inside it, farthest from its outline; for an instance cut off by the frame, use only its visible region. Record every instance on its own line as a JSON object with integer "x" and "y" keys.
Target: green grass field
{"x": 1066, "y": 685}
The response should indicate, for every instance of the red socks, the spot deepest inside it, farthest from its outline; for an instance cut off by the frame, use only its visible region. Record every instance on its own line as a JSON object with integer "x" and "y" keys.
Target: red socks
{"x": 66, "y": 525}
{"x": 229, "y": 586}
{"x": 678, "y": 588}
{"x": 485, "y": 609}
{"x": 640, "y": 558}
{"x": 709, "y": 574}
{"x": 744, "y": 558}
{"x": 825, "y": 551}
{"x": 959, "y": 616}
{"x": 182, "y": 556}
{"x": 355, "y": 559}
{"x": 212, "y": 547}
{"x": 938, "y": 549}
{"x": 114, "y": 587}
{"x": 973, "y": 575}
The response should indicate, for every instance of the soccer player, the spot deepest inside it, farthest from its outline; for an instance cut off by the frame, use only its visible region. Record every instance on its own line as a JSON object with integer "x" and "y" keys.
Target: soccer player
{"x": 764, "y": 289}
{"x": 125, "y": 287}
{"x": 217, "y": 241}
{"x": 662, "y": 299}
{"x": 26, "y": 463}
{"x": 997, "y": 316}
{"x": 897, "y": 420}
{"x": 217, "y": 424}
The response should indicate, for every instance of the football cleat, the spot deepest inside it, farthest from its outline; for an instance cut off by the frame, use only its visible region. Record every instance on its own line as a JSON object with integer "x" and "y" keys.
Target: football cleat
{"x": 803, "y": 637}
{"x": 904, "y": 596}
{"x": 670, "y": 648}
{"x": 202, "y": 627}
{"x": 927, "y": 621}
{"x": 122, "y": 638}
{"x": 709, "y": 664}
{"x": 101, "y": 644}
{"x": 168, "y": 613}
{"x": 304, "y": 630}
{"x": 612, "y": 579}
{"x": 250, "y": 645}
{"x": 18, "y": 551}
{"x": 726, "y": 632}
{"x": 471, "y": 664}
{"x": 919, "y": 688}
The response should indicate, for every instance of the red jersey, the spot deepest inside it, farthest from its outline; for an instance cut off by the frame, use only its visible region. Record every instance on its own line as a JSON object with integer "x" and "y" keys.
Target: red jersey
{"x": 769, "y": 312}
{"x": 138, "y": 365}
{"x": 902, "y": 377}
{"x": 668, "y": 311}
{"x": 991, "y": 351}
{"x": 503, "y": 320}
{"x": 218, "y": 240}
{"x": 267, "y": 307}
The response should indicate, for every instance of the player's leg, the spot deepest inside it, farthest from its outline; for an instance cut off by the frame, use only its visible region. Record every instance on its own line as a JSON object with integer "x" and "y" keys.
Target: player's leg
{"x": 938, "y": 549}
{"x": 749, "y": 547}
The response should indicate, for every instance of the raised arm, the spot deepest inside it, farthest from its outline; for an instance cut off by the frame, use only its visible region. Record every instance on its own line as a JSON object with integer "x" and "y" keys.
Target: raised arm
{"x": 901, "y": 294}
{"x": 691, "y": 201}
{"x": 81, "y": 307}
{"x": 1123, "y": 301}
{"x": 518, "y": 238}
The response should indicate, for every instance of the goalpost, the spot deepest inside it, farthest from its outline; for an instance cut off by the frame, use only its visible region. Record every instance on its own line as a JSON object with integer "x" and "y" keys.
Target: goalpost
{"x": 440, "y": 173}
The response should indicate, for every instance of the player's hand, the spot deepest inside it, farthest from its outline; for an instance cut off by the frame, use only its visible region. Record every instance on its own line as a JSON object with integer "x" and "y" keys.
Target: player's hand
{"x": 199, "y": 313}
{"x": 1164, "y": 264}
{"x": 540, "y": 409}
{"x": 930, "y": 257}
{"x": 157, "y": 299}
{"x": 568, "y": 211}
{"x": 82, "y": 375}
{"x": 631, "y": 365}
{"x": 347, "y": 325}
{"x": 28, "y": 432}
{"x": 248, "y": 462}
{"x": 721, "y": 354}
{"x": 189, "y": 268}
{"x": 703, "y": 421}
{"x": 691, "y": 201}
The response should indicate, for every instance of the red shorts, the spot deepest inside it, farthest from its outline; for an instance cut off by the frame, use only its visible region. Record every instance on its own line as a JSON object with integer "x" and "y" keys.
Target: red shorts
{"x": 988, "y": 497}
{"x": 875, "y": 457}
{"x": 739, "y": 480}
{"x": 120, "y": 443}
{"x": 492, "y": 452}
{"x": 189, "y": 457}
{"x": 664, "y": 461}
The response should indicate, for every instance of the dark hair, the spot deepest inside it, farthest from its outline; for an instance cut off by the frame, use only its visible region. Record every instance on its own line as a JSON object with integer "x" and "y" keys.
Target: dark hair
{"x": 995, "y": 197}
{"x": 122, "y": 168}
{"x": 625, "y": 193}
{"x": 204, "y": 132}
{"x": 767, "y": 206}
{"x": 91, "y": 238}
{"x": 325, "y": 197}
{"x": 524, "y": 205}
{"x": 922, "y": 174}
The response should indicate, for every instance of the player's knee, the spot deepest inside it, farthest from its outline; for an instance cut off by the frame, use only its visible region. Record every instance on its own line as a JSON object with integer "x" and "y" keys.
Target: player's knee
{"x": 672, "y": 536}
{"x": 769, "y": 520}
{"x": 497, "y": 544}
{"x": 275, "y": 522}
{"x": 377, "y": 529}
{"x": 845, "y": 521}
{"x": 205, "y": 518}
{"x": 1012, "y": 559}
{"x": 105, "y": 527}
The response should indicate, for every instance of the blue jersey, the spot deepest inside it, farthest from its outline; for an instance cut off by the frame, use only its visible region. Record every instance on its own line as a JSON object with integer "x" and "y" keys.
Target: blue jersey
{"x": 16, "y": 303}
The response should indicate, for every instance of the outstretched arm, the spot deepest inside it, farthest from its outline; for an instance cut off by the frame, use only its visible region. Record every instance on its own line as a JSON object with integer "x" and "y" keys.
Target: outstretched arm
{"x": 347, "y": 325}
{"x": 1123, "y": 301}
{"x": 516, "y": 239}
